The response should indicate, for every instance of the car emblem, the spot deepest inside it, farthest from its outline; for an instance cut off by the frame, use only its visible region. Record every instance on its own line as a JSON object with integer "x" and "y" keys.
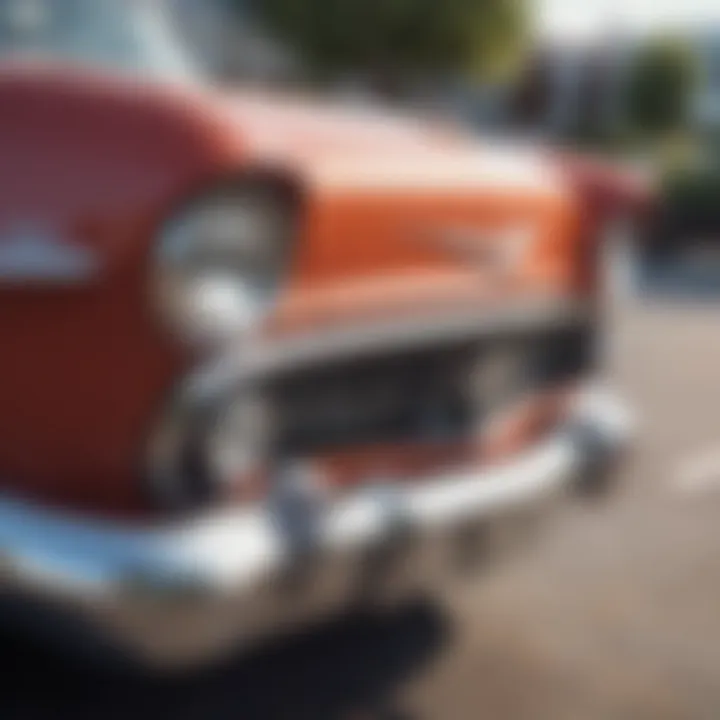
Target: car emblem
{"x": 36, "y": 255}
{"x": 479, "y": 245}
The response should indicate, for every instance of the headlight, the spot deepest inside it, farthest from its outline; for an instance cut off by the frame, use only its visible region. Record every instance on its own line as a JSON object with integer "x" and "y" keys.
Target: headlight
{"x": 220, "y": 263}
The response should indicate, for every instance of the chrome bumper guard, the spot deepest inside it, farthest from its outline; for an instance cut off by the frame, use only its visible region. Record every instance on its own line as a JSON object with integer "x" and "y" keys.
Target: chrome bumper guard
{"x": 183, "y": 594}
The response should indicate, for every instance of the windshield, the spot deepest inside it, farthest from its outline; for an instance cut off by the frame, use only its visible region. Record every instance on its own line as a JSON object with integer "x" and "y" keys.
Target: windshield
{"x": 128, "y": 35}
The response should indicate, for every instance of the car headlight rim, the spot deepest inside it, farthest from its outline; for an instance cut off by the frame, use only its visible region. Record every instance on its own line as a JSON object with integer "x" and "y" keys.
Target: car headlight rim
{"x": 219, "y": 263}
{"x": 198, "y": 455}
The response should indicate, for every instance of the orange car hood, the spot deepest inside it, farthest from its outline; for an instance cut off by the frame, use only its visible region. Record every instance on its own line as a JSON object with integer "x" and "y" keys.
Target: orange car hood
{"x": 375, "y": 182}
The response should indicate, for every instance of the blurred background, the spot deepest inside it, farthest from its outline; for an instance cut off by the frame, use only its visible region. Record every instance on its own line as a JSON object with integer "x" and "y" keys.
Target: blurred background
{"x": 614, "y": 613}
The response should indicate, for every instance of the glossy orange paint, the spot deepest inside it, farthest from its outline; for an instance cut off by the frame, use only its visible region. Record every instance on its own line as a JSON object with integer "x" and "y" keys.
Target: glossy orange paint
{"x": 102, "y": 162}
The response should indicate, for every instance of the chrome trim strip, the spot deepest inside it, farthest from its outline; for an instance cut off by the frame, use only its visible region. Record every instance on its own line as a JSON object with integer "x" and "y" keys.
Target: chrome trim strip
{"x": 36, "y": 255}
{"x": 261, "y": 358}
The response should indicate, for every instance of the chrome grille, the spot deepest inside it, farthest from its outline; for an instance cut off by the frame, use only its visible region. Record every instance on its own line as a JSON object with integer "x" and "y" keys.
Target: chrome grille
{"x": 409, "y": 397}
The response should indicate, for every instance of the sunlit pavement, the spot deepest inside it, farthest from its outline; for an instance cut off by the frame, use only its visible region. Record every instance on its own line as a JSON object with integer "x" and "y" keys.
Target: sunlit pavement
{"x": 614, "y": 613}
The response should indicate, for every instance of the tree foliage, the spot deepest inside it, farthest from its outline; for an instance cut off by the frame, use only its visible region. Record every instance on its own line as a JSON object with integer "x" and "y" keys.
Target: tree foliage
{"x": 397, "y": 36}
{"x": 661, "y": 85}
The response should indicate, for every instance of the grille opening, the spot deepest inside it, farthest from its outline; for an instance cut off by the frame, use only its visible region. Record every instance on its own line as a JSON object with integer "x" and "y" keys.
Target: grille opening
{"x": 413, "y": 396}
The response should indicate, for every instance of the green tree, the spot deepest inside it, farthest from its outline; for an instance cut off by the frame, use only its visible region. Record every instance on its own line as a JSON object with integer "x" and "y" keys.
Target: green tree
{"x": 398, "y": 38}
{"x": 661, "y": 85}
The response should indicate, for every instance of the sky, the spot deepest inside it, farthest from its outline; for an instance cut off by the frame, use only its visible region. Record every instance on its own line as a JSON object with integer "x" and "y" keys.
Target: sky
{"x": 587, "y": 19}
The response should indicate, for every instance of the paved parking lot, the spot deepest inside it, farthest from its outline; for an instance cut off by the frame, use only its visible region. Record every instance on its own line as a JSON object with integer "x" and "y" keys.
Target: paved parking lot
{"x": 614, "y": 613}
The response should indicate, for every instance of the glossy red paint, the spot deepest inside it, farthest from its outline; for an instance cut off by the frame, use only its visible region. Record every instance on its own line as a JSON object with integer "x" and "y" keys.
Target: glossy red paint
{"x": 83, "y": 369}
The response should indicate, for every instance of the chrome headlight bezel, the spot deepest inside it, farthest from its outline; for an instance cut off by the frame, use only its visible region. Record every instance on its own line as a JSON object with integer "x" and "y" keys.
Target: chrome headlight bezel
{"x": 200, "y": 453}
{"x": 219, "y": 263}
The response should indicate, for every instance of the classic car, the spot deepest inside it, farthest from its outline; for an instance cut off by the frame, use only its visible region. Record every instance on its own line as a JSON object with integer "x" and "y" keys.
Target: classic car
{"x": 265, "y": 356}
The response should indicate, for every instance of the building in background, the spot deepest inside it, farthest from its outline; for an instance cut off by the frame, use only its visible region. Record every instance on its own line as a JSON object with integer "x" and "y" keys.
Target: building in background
{"x": 570, "y": 87}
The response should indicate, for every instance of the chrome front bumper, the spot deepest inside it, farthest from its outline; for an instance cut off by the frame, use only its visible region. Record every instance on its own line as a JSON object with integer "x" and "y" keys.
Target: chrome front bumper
{"x": 186, "y": 593}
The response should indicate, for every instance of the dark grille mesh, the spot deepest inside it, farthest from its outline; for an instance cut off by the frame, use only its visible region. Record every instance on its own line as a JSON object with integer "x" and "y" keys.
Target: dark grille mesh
{"x": 418, "y": 396}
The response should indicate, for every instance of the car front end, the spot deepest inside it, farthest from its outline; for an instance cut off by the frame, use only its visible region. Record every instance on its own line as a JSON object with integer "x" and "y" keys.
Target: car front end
{"x": 265, "y": 358}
